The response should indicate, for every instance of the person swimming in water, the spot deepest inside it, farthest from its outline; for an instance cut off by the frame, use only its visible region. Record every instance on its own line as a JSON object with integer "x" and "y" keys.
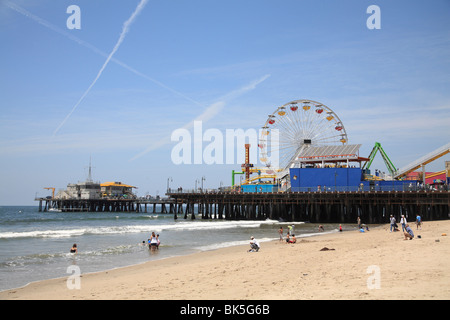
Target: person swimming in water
{"x": 74, "y": 248}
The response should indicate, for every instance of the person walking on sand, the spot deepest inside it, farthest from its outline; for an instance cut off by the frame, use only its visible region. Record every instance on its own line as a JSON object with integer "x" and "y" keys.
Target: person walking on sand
{"x": 419, "y": 222}
{"x": 280, "y": 232}
{"x": 403, "y": 222}
{"x": 392, "y": 221}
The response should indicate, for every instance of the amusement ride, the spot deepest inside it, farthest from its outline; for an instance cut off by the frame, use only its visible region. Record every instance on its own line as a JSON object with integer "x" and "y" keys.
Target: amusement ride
{"x": 288, "y": 131}
{"x": 308, "y": 134}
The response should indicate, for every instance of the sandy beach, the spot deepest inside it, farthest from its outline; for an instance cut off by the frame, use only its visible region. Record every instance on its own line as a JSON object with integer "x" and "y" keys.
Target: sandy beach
{"x": 372, "y": 265}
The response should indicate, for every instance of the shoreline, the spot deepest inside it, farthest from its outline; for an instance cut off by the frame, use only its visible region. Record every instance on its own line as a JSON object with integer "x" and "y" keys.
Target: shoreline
{"x": 195, "y": 249}
{"x": 140, "y": 263}
{"x": 416, "y": 269}
{"x": 213, "y": 248}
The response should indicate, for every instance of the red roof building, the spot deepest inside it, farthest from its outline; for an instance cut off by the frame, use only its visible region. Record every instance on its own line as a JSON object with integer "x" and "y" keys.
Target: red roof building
{"x": 430, "y": 176}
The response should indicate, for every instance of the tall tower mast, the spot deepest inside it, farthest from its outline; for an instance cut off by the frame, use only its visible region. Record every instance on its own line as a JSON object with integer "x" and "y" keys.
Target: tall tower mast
{"x": 89, "y": 179}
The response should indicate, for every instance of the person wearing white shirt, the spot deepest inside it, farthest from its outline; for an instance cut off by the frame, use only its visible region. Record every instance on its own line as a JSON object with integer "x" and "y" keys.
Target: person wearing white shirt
{"x": 403, "y": 222}
{"x": 254, "y": 245}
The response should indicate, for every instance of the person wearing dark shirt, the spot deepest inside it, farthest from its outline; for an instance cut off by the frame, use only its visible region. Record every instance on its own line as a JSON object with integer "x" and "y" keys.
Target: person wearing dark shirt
{"x": 408, "y": 233}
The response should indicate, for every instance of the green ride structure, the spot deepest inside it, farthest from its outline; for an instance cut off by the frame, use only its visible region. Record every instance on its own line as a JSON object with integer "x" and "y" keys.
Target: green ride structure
{"x": 390, "y": 166}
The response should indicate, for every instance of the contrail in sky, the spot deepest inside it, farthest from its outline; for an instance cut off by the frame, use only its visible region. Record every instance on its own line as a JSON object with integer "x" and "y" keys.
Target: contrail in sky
{"x": 125, "y": 28}
{"x": 56, "y": 29}
{"x": 209, "y": 113}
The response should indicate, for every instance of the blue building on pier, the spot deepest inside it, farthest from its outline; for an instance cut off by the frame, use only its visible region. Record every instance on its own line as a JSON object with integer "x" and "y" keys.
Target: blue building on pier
{"x": 337, "y": 168}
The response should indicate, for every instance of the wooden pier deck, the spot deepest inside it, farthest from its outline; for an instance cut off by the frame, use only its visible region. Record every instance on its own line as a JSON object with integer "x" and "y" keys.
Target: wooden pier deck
{"x": 338, "y": 207}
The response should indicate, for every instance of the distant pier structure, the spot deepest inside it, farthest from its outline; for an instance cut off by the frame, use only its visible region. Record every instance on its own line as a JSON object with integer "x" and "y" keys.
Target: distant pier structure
{"x": 112, "y": 196}
{"x": 165, "y": 205}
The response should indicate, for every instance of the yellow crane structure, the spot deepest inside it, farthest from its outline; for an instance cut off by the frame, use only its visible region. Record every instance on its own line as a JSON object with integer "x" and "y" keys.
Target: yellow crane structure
{"x": 53, "y": 191}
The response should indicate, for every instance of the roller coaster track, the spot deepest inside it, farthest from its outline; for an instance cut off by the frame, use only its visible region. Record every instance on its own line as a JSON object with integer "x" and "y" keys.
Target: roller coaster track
{"x": 434, "y": 174}
{"x": 430, "y": 157}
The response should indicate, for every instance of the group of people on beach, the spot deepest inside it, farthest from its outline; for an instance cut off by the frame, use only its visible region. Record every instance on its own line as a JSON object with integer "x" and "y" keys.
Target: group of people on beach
{"x": 403, "y": 222}
{"x": 406, "y": 229}
{"x": 153, "y": 242}
{"x": 290, "y": 236}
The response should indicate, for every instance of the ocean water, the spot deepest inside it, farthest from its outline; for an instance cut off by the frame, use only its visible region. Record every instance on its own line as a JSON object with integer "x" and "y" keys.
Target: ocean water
{"x": 35, "y": 245}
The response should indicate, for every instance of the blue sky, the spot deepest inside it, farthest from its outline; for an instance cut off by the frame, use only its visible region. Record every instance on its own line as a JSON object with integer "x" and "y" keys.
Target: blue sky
{"x": 230, "y": 63}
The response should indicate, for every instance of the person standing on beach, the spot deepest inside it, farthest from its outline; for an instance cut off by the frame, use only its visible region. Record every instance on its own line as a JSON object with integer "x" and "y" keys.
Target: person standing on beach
{"x": 280, "y": 232}
{"x": 359, "y": 222}
{"x": 419, "y": 222}
{"x": 289, "y": 230}
{"x": 392, "y": 220}
{"x": 403, "y": 222}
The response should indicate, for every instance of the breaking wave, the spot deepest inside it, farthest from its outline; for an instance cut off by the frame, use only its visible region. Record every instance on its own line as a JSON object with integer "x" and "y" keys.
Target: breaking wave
{"x": 178, "y": 226}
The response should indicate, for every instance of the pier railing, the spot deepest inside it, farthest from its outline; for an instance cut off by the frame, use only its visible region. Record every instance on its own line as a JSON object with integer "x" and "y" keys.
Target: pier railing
{"x": 374, "y": 188}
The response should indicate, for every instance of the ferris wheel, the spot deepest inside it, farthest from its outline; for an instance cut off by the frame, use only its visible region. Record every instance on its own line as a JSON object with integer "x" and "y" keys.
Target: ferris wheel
{"x": 294, "y": 126}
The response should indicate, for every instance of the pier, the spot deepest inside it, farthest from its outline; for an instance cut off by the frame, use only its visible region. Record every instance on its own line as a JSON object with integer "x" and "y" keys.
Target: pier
{"x": 317, "y": 207}
{"x": 106, "y": 205}
{"x": 311, "y": 181}
{"x": 323, "y": 207}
